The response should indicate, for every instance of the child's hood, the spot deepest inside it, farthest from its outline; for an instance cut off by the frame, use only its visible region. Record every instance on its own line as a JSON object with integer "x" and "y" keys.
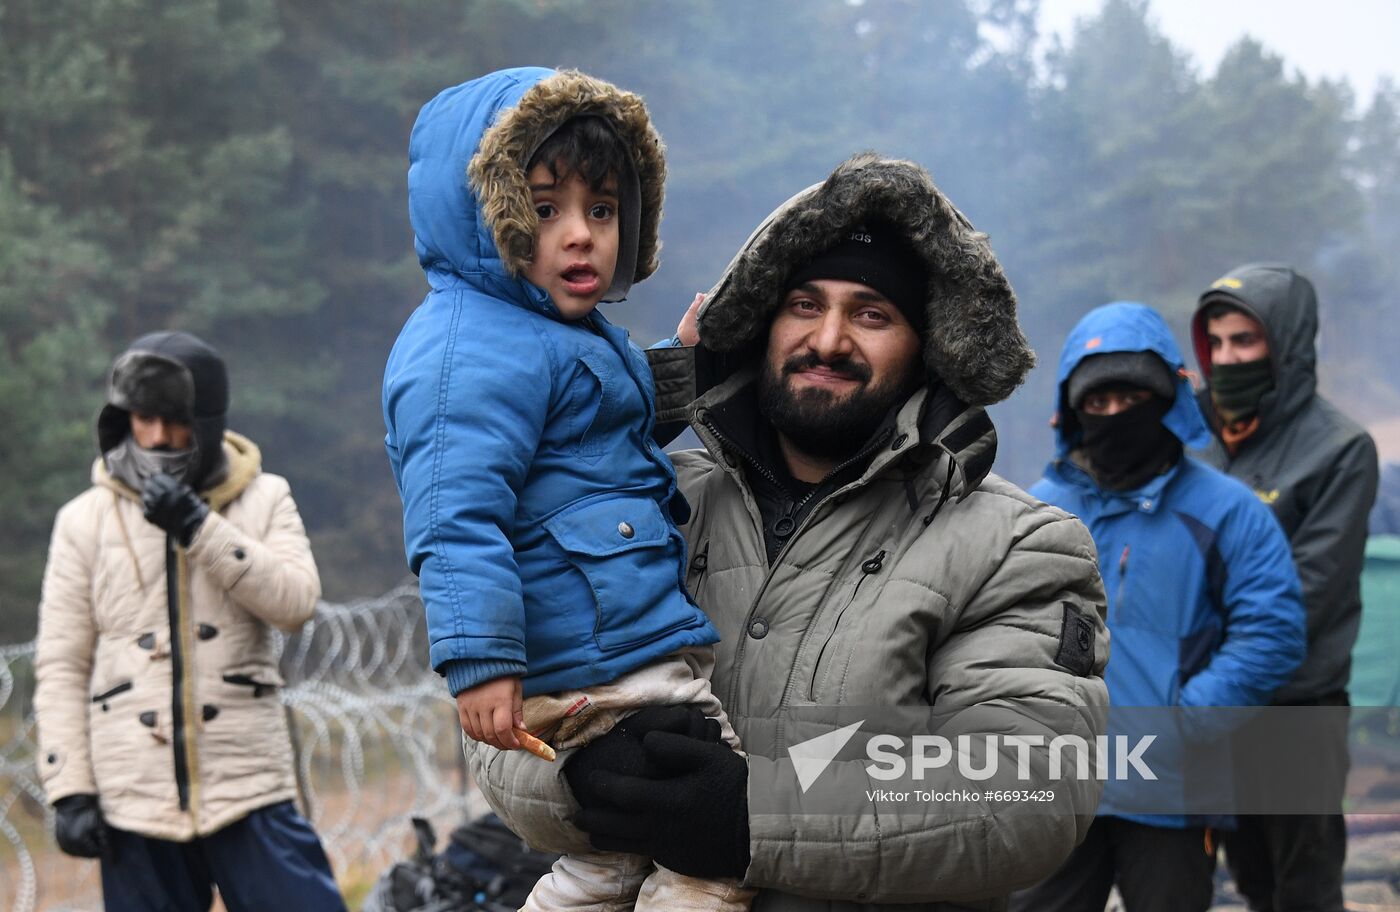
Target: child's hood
{"x": 468, "y": 198}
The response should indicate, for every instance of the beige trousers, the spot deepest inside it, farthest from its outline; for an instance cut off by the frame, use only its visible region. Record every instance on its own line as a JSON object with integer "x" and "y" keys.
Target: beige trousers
{"x": 613, "y": 881}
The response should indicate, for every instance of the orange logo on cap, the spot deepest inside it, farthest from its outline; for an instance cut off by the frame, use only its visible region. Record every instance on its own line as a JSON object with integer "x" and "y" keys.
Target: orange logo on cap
{"x": 1093, "y": 343}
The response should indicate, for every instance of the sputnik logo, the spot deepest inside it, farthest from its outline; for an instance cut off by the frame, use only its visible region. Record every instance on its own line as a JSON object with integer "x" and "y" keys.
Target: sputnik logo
{"x": 812, "y": 757}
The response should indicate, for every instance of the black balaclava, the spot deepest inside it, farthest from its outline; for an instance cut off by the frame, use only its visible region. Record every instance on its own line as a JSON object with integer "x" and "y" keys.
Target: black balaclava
{"x": 1236, "y": 389}
{"x": 1128, "y": 449}
{"x": 176, "y": 376}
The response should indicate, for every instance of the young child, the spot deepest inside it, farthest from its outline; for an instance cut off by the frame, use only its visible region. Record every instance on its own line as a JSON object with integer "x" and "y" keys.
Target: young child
{"x": 539, "y": 514}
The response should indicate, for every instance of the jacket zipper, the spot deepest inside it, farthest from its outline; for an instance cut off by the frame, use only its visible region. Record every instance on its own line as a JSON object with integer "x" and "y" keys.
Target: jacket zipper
{"x": 177, "y": 673}
{"x": 191, "y": 715}
{"x": 1122, "y": 582}
{"x": 763, "y": 588}
{"x": 763, "y": 470}
{"x": 867, "y": 569}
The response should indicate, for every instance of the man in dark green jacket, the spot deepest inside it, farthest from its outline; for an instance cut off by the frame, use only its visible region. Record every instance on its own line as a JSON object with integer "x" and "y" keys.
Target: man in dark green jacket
{"x": 1254, "y": 333}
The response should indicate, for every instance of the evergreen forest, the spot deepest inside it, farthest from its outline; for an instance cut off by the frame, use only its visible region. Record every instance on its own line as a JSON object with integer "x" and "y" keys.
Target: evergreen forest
{"x": 236, "y": 168}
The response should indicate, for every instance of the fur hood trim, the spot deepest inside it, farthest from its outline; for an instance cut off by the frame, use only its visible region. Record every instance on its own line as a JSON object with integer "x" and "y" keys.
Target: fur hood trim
{"x": 974, "y": 343}
{"x": 497, "y": 170}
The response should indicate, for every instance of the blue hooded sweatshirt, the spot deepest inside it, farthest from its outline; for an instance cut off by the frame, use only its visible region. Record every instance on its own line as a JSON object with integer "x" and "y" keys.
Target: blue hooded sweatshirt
{"x": 539, "y": 515}
{"x": 1204, "y": 607}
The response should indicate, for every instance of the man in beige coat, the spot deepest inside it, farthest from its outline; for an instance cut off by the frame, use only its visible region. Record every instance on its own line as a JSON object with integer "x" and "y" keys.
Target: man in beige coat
{"x": 865, "y": 569}
{"x": 162, "y": 744}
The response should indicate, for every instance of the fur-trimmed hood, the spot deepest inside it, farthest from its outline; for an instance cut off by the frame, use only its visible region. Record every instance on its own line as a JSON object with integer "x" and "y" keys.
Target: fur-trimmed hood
{"x": 469, "y": 201}
{"x": 974, "y": 343}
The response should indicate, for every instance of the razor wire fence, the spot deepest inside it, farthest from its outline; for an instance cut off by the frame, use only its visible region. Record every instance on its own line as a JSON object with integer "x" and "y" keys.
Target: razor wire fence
{"x": 376, "y": 737}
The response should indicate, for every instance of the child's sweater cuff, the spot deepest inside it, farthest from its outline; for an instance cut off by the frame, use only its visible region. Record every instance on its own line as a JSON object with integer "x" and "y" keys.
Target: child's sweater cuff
{"x": 464, "y": 673}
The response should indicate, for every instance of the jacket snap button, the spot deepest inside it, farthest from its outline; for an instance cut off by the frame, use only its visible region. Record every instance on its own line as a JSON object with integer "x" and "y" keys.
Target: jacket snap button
{"x": 625, "y": 530}
{"x": 783, "y": 527}
{"x": 239, "y": 553}
{"x": 758, "y": 628}
{"x": 899, "y": 441}
{"x": 1147, "y": 504}
{"x": 207, "y": 631}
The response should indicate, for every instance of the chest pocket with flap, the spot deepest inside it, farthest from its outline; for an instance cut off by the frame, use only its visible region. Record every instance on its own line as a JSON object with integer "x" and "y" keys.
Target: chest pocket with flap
{"x": 624, "y": 547}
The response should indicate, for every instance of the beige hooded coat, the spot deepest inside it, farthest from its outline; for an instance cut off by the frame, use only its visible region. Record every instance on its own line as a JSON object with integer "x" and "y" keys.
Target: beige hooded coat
{"x": 157, "y": 673}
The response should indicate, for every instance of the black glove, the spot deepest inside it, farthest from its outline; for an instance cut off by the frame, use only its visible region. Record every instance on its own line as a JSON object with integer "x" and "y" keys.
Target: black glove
{"x": 78, "y": 826}
{"x": 620, "y": 750}
{"x": 693, "y": 817}
{"x": 173, "y": 506}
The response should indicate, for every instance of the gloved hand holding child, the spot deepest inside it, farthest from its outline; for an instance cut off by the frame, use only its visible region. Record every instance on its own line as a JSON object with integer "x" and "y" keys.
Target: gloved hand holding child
{"x": 674, "y": 792}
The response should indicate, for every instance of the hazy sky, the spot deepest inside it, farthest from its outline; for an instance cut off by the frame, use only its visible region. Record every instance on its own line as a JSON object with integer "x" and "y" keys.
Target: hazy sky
{"x": 1354, "y": 39}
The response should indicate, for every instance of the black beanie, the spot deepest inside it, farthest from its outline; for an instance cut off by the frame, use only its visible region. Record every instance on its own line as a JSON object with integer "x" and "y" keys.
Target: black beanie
{"x": 1140, "y": 369}
{"x": 877, "y": 256}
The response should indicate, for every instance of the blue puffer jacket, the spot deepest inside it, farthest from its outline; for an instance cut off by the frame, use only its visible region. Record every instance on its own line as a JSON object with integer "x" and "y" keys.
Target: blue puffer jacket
{"x": 1204, "y": 607}
{"x": 538, "y": 514}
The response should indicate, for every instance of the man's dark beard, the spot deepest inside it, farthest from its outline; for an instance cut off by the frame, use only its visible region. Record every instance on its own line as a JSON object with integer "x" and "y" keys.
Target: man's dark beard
{"x": 819, "y": 424}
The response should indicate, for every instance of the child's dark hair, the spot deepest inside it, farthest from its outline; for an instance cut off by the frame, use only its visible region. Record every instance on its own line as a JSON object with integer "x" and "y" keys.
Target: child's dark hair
{"x": 585, "y": 146}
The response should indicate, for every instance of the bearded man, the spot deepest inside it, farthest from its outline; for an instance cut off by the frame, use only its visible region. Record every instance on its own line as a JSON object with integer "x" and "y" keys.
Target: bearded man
{"x": 849, "y": 541}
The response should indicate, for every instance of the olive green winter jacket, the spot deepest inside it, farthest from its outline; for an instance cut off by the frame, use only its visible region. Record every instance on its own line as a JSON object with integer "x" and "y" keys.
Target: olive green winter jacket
{"x": 926, "y": 582}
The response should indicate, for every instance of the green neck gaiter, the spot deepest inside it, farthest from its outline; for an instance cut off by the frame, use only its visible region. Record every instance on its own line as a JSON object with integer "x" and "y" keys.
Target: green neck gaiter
{"x": 1237, "y": 388}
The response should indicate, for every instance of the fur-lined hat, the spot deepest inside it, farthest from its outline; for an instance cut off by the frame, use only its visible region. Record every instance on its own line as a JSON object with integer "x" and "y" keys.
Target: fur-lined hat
{"x": 176, "y": 376}
{"x": 973, "y": 342}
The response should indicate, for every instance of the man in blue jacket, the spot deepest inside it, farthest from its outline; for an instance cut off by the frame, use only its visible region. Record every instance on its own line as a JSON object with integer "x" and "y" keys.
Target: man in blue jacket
{"x": 1204, "y": 608}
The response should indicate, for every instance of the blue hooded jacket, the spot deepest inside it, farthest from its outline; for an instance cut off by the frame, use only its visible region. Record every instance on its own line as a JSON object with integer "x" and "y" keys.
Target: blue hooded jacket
{"x": 539, "y": 514}
{"x": 1204, "y": 607}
